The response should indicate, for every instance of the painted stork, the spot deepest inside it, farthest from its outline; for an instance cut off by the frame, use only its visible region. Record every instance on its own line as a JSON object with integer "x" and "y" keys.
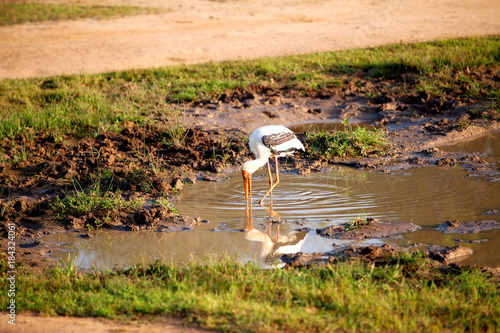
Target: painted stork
{"x": 266, "y": 142}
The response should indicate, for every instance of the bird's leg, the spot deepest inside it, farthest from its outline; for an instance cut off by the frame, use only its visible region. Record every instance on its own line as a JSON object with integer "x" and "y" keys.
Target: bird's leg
{"x": 270, "y": 181}
{"x": 248, "y": 223}
{"x": 270, "y": 218}
{"x": 248, "y": 209}
{"x": 249, "y": 204}
{"x": 277, "y": 173}
{"x": 276, "y": 182}
{"x": 274, "y": 217}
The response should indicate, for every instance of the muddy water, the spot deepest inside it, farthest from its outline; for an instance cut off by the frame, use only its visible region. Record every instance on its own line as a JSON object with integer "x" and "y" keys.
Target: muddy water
{"x": 424, "y": 196}
{"x": 487, "y": 144}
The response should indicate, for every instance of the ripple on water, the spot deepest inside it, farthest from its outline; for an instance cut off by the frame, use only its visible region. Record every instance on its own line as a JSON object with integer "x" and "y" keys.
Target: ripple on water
{"x": 424, "y": 196}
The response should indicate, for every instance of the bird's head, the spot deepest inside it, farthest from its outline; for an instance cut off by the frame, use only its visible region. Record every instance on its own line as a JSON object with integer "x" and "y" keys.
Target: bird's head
{"x": 246, "y": 175}
{"x": 247, "y": 170}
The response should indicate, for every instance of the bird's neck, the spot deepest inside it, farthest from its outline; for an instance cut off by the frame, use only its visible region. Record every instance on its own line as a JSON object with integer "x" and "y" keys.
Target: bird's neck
{"x": 252, "y": 166}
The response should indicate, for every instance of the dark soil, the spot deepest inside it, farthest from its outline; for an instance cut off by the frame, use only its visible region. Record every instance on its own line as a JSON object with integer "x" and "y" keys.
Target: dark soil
{"x": 146, "y": 162}
{"x": 371, "y": 228}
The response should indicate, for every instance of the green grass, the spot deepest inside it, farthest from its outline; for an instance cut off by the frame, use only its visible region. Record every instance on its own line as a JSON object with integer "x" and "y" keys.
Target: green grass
{"x": 405, "y": 294}
{"x": 86, "y": 104}
{"x": 23, "y": 12}
{"x": 95, "y": 197}
{"x": 356, "y": 223}
{"x": 18, "y": 154}
{"x": 351, "y": 142}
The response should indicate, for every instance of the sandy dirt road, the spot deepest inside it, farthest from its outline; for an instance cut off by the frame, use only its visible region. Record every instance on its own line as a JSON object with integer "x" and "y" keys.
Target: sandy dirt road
{"x": 32, "y": 323}
{"x": 196, "y": 31}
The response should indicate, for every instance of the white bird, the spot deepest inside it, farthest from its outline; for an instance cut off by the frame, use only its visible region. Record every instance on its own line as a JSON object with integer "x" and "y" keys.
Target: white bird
{"x": 265, "y": 142}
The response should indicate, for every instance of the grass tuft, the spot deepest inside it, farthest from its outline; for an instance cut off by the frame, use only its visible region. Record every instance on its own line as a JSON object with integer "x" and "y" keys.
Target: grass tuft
{"x": 356, "y": 223}
{"x": 83, "y": 201}
{"x": 351, "y": 142}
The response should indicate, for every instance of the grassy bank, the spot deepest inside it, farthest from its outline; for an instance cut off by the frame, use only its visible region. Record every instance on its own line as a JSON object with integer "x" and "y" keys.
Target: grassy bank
{"x": 86, "y": 104}
{"x": 404, "y": 294}
{"x": 24, "y": 12}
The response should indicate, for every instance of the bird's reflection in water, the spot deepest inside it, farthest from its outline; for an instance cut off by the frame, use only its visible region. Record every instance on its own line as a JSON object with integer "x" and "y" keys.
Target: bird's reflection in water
{"x": 273, "y": 248}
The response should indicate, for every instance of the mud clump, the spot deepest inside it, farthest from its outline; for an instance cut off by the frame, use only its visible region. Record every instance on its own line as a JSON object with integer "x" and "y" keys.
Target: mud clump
{"x": 24, "y": 206}
{"x": 471, "y": 241}
{"x": 492, "y": 212}
{"x": 455, "y": 227}
{"x": 372, "y": 228}
{"x": 29, "y": 215}
{"x": 300, "y": 259}
{"x": 162, "y": 219}
{"x": 103, "y": 218}
{"x": 377, "y": 255}
{"x": 374, "y": 253}
{"x": 449, "y": 255}
{"x": 151, "y": 216}
{"x": 154, "y": 218}
{"x": 178, "y": 223}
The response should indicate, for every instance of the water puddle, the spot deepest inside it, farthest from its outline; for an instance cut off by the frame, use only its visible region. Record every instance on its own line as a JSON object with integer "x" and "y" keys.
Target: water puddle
{"x": 424, "y": 196}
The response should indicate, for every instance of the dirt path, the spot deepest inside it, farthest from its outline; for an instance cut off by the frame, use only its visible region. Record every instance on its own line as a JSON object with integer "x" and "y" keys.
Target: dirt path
{"x": 194, "y": 31}
{"x": 32, "y": 323}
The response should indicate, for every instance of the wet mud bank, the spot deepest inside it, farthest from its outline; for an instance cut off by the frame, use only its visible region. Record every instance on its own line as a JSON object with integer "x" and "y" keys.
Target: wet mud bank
{"x": 456, "y": 227}
{"x": 380, "y": 254}
{"x": 369, "y": 228}
{"x": 149, "y": 166}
